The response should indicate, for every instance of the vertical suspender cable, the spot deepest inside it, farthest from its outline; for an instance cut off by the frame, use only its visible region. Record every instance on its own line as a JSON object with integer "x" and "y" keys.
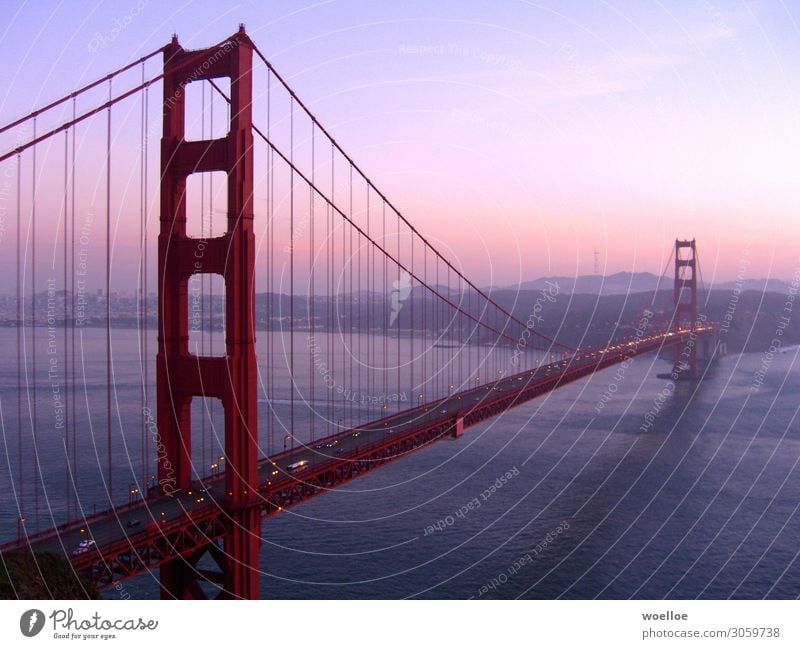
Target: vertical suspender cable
{"x": 291, "y": 270}
{"x": 145, "y": 346}
{"x": 459, "y": 340}
{"x": 203, "y": 294}
{"x": 463, "y": 336}
{"x": 367, "y": 333}
{"x": 385, "y": 319}
{"x": 450, "y": 322}
{"x": 445, "y": 342}
{"x": 142, "y": 297}
{"x": 361, "y": 364}
{"x": 478, "y": 347}
{"x": 212, "y": 402}
{"x": 34, "y": 432}
{"x": 411, "y": 325}
{"x": 474, "y": 366}
{"x": 443, "y": 345}
{"x": 350, "y": 302}
{"x": 396, "y": 312}
{"x": 370, "y": 318}
{"x": 340, "y": 303}
{"x": 20, "y": 333}
{"x": 438, "y": 368}
{"x": 329, "y": 346}
{"x": 270, "y": 250}
{"x": 67, "y": 412}
{"x": 312, "y": 409}
{"x": 493, "y": 348}
{"x": 72, "y": 323}
{"x": 359, "y": 308}
{"x": 470, "y": 343}
{"x": 424, "y": 349}
{"x": 480, "y": 351}
{"x": 108, "y": 301}
{"x": 458, "y": 337}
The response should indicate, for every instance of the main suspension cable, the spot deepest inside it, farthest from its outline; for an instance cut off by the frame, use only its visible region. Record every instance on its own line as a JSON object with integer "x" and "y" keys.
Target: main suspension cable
{"x": 80, "y": 91}
{"x": 322, "y": 129}
{"x": 297, "y": 172}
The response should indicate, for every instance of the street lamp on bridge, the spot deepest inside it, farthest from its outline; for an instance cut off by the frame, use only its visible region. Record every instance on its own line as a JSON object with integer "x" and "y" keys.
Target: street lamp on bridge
{"x": 133, "y": 492}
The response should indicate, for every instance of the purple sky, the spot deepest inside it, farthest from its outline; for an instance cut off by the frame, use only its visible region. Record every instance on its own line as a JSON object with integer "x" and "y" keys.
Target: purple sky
{"x": 519, "y": 136}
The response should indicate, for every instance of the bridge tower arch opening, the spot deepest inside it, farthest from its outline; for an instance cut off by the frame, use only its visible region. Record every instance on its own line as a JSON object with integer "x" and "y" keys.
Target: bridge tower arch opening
{"x": 182, "y": 375}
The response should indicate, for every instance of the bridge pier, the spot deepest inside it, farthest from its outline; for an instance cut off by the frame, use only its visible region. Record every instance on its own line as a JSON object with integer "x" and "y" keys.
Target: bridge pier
{"x": 242, "y": 547}
{"x": 179, "y": 581}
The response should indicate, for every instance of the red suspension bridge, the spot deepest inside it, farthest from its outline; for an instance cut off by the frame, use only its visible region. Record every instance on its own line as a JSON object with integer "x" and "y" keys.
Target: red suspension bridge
{"x": 372, "y": 344}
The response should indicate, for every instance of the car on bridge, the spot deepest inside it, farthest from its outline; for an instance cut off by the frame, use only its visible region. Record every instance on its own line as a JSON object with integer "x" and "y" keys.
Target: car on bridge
{"x": 297, "y": 466}
{"x": 83, "y": 547}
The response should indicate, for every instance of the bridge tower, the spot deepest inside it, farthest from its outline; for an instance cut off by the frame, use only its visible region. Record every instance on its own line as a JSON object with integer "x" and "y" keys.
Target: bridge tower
{"x": 685, "y": 301}
{"x": 181, "y": 375}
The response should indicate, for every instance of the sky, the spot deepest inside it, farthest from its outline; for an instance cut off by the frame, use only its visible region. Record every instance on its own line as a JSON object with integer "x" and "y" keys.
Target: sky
{"x": 521, "y": 137}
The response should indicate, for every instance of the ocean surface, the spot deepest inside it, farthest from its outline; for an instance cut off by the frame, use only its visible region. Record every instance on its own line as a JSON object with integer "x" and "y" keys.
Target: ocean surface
{"x": 623, "y": 485}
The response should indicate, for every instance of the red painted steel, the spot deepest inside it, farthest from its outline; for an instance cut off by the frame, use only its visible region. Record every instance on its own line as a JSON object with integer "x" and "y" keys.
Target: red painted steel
{"x": 685, "y": 300}
{"x": 181, "y": 376}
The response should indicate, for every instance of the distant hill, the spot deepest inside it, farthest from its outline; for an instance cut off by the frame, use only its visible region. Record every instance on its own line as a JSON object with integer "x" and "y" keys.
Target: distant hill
{"x": 617, "y": 284}
{"x": 763, "y": 285}
{"x": 624, "y": 283}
